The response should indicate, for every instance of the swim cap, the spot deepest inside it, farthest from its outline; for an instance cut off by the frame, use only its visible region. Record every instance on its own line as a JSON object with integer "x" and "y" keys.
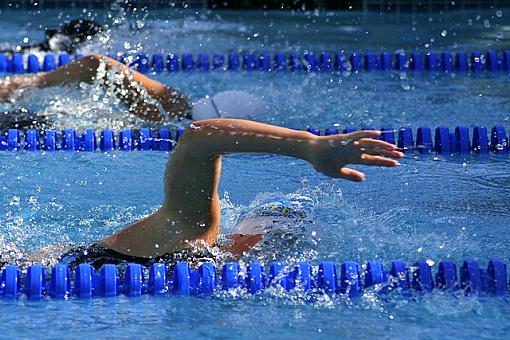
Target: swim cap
{"x": 279, "y": 214}
{"x": 227, "y": 104}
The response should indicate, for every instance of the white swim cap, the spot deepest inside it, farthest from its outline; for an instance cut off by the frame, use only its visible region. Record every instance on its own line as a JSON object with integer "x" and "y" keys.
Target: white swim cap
{"x": 227, "y": 104}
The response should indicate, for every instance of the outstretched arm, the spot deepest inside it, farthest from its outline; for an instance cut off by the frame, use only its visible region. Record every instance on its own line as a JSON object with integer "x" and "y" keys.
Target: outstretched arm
{"x": 130, "y": 86}
{"x": 191, "y": 209}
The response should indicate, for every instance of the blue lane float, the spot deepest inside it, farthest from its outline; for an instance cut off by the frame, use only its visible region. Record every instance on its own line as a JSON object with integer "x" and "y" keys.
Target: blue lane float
{"x": 461, "y": 141}
{"x": 309, "y": 61}
{"x": 330, "y": 278}
{"x": 443, "y": 141}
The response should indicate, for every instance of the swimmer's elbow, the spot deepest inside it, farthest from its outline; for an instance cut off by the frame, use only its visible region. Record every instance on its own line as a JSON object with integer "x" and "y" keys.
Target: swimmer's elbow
{"x": 195, "y": 133}
{"x": 174, "y": 102}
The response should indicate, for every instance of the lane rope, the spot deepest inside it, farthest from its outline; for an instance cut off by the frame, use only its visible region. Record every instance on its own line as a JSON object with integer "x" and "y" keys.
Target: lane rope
{"x": 346, "y": 278}
{"x": 446, "y": 61}
{"x": 460, "y": 140}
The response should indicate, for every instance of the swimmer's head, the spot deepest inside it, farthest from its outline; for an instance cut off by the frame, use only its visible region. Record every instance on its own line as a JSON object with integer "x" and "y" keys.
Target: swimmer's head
{"x": 70, "y": 35}
{"x": 81, "y": 29}
{"x": 279, "y": 214}
{"x": 228, "y": 104}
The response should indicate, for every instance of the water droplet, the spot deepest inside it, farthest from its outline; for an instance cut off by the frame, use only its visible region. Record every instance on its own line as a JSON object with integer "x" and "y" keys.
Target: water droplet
{"x": 444, "y": 33}
{"x": 14, "y": 200}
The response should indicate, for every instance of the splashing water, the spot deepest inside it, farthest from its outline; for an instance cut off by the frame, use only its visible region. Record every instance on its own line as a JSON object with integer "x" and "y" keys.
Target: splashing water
{"x": 424, "y": 210}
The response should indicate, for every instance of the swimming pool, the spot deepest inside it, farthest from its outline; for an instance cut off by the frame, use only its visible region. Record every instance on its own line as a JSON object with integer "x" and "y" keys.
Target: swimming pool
{"x": 429, "y": 208}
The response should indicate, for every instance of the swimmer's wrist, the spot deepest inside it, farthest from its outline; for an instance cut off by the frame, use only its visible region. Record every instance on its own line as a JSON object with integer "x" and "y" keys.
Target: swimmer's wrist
{"x": 311, "y": 147}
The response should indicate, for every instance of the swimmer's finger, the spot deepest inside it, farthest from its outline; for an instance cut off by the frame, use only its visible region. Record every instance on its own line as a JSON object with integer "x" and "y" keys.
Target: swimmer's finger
{"x": 351, "y": 174}
{"x": 377, "y": 160}
{"x": 376, "y": 143}
{"x": 357, "y": 135}
{"x": 384, "y": 152}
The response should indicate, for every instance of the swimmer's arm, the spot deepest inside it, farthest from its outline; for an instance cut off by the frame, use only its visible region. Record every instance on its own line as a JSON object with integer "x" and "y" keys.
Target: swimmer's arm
{"x": 85, "y": 70}
{"x": 191, "y": 208}
{"x": 193, "y": 173}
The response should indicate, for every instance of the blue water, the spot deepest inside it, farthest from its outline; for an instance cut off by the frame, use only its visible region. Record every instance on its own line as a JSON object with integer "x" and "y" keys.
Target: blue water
{"x": 429, "y": 208}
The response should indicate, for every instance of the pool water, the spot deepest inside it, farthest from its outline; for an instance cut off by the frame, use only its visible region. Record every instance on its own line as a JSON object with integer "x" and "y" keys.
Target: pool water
{"x": 430, "y": 208}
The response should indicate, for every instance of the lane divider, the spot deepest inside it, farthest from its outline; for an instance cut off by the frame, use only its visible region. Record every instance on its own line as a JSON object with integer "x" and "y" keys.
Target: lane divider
{"x": 348, "y": 279}
{"x": 441, "y": 140}
{"x": 18, "y": 64}
{"x": 445, "y": 61}
{"x": 69, "y": 140}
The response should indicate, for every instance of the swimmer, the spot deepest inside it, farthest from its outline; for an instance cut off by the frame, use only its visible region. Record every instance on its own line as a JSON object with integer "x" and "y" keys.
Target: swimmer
{"x": 144, "y": 97}
{"x": 66, "y": 38}
{"x": 190, "y": 213}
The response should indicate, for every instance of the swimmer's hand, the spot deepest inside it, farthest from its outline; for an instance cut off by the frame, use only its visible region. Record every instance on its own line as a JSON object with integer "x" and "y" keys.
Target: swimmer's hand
{"x": 331, "y": 154}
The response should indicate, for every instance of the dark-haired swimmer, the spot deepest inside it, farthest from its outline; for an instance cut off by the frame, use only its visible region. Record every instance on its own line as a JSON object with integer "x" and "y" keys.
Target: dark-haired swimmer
{"x": 144, "y": 97}
{"x": 190, "y": 212}
{"x": 66, "y": 38}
